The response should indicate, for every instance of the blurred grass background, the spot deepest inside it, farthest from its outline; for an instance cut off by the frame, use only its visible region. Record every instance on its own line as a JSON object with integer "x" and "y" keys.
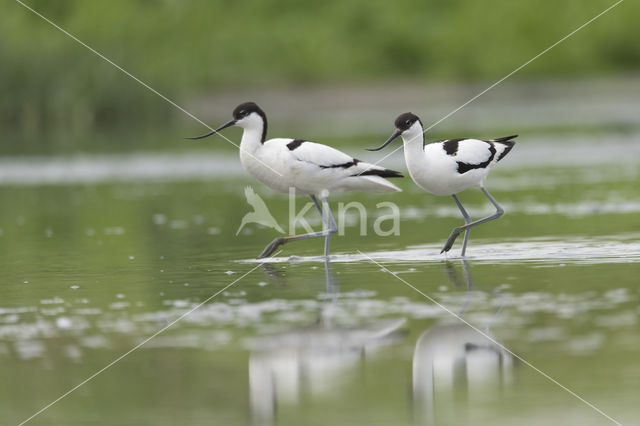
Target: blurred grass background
{"x": 189, "y": 48}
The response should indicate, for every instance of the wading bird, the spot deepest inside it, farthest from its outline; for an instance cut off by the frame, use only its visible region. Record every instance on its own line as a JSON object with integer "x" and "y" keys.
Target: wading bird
{"x": 306, "y": 167}
{"x": 450, "y": 166}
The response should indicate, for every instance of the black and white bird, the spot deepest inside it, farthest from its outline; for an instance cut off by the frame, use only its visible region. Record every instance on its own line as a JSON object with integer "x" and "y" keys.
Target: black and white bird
{"x": 306, "y": 167}
{"x": 450, "y": 166}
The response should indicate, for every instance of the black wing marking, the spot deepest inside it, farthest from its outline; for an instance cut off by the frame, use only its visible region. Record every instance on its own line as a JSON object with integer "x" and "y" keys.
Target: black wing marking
{"x": 450, "y": 146}
{"x": 505, "y": 139}
{"x": 295, "y": 144}
{"x": 346, "y": 165}
{"x": 385, "y": 173}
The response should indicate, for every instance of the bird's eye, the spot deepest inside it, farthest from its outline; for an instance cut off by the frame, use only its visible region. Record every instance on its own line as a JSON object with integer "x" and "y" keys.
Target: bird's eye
{"x": 243, "y": 113}
{"x": 408, "y": 122}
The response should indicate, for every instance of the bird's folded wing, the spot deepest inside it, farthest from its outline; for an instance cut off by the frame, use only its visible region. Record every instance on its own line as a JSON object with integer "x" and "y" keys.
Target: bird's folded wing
{"x": 475, "y": 151}
{"x": 322, "y": 156}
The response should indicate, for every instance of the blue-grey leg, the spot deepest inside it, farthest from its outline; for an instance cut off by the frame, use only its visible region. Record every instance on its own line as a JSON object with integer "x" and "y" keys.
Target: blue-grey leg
{"x": 457, "y": 231}
{"x": 328, "y": 222}
{"x": 467, "y": 220}
{"x": 329, "y": 228}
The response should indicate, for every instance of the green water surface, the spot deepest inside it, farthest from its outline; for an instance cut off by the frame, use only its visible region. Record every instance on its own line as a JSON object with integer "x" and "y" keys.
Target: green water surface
{"x": 89, "y": 271}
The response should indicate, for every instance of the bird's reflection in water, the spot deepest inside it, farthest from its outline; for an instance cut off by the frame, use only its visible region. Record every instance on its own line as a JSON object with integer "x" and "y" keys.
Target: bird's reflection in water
{"x": 311, "y": 360}
{"x": 455, "y": 366}
{"x": 272, "y": 272}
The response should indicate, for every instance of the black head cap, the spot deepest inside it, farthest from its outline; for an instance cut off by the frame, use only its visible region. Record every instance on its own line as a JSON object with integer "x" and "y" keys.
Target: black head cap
{"x": 406, "y": 120}
{"x": 246, "y": 108}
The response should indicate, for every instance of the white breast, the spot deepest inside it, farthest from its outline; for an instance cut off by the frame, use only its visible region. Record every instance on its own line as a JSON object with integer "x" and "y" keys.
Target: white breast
{"x": 268, "y": 165}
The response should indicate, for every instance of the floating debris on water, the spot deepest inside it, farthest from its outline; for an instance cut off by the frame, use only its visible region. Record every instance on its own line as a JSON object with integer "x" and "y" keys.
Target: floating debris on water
{"x": 159, "y": 219}
{"x": 179, "y": 224}
{"x": 63, "y": 322}
{"x": 114, "y": 230}
{"x": 54, "y": 301}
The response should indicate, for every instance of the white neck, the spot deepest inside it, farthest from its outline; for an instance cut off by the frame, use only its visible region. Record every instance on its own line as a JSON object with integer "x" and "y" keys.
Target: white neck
{"x": 413, "y": 145}
{"x": 253, "y": 126}
{"x": 251, "y": 139}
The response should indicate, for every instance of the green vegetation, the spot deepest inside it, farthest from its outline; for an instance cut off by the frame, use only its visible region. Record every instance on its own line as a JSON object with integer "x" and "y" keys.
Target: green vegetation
{"x": 186, "y": 48}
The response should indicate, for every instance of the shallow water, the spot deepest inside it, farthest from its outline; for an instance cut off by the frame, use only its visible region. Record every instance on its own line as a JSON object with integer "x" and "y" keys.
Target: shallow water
{"x": 94, "y": 264}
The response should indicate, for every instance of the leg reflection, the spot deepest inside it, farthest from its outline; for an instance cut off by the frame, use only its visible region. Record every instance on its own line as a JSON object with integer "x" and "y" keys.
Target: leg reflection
{"x": 312, "y": 360}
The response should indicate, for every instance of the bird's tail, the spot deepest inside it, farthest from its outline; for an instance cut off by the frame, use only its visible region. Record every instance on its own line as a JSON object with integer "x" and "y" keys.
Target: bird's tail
{"x": 369, "y": 184}
{"x": 372, "y": 178}
{"x": 506, "y": 139}
{"x": 379, "y": 184}
{"x": 505, "y": 145}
